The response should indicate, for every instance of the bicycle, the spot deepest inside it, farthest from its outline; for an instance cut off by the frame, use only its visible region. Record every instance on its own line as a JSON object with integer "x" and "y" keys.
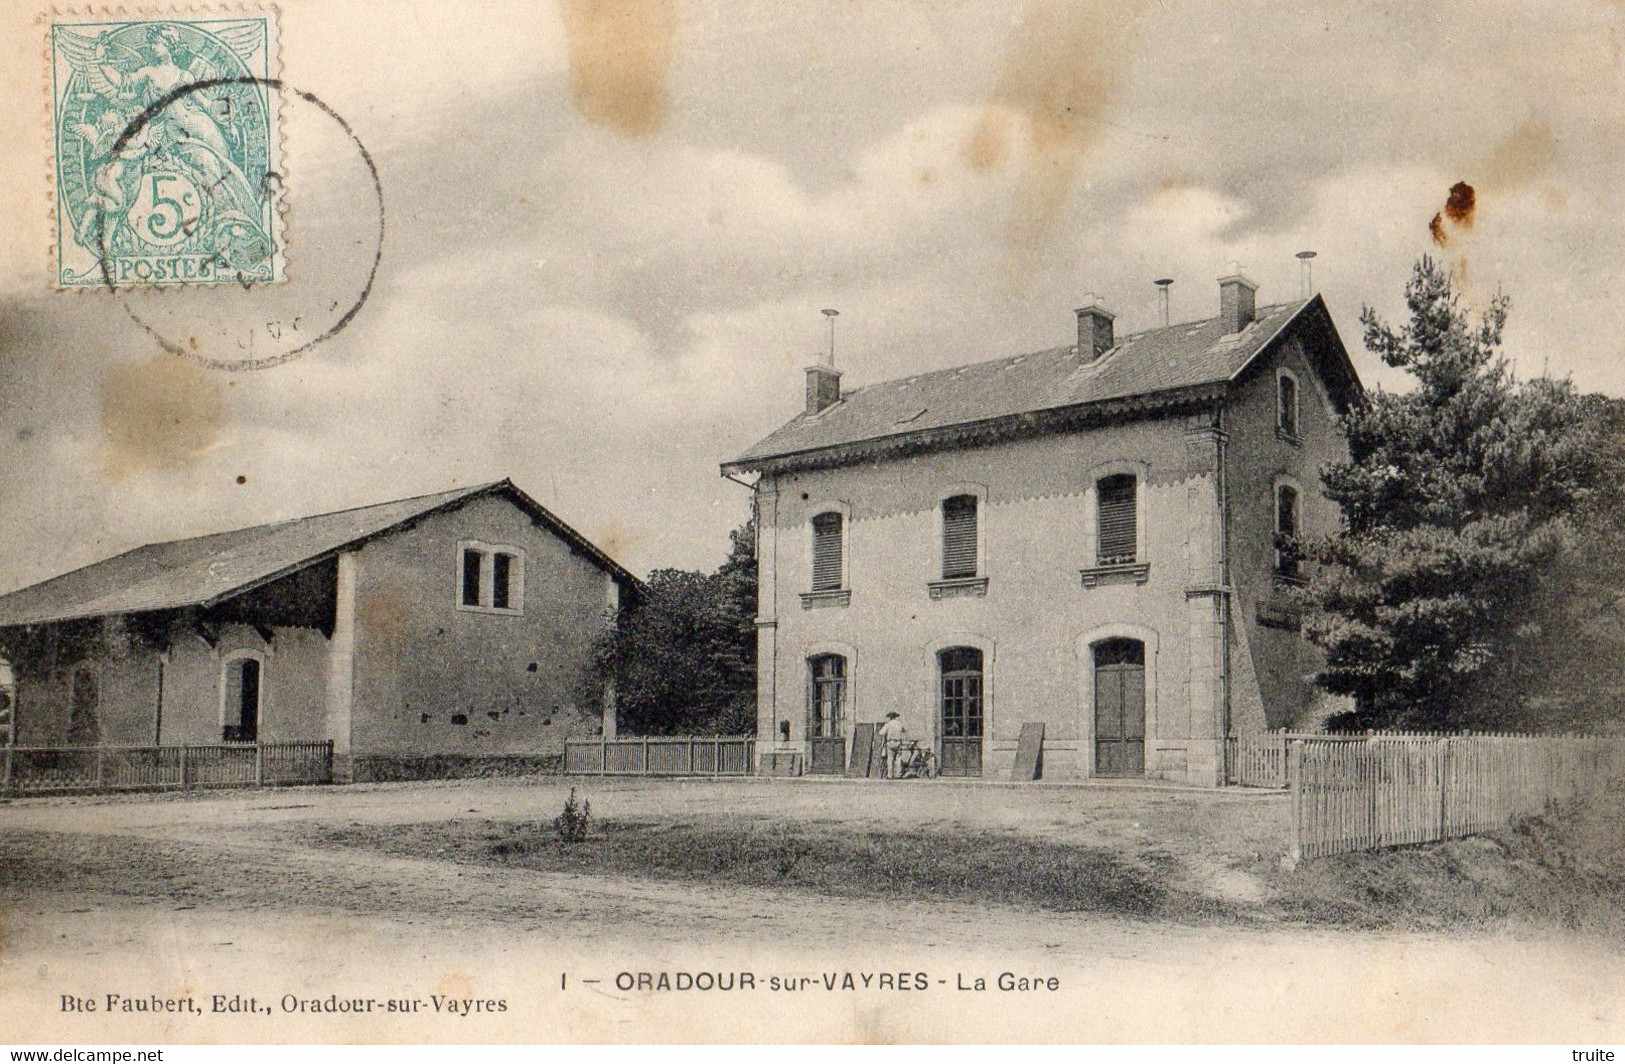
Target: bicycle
{"x": 915, "y": 762}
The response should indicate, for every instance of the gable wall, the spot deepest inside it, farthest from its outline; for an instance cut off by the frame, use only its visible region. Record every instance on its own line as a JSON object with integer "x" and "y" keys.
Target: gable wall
{"x": 1272, "y": 666}
{"x": 520, "y": 683}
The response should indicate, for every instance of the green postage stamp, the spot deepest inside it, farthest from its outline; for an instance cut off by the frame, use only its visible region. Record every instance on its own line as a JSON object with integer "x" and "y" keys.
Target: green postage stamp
{"x": 166, "y": 150}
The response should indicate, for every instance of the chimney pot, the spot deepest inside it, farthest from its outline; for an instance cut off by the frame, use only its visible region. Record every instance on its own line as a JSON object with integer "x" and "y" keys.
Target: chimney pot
{"x": 823, "y": 387}
{"x": 1094, "y": 329}
{"x": 1237, "y": 294}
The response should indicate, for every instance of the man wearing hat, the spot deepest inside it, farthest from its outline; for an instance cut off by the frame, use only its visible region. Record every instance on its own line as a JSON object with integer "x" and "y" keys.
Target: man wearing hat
{"x": 893, "y": 735}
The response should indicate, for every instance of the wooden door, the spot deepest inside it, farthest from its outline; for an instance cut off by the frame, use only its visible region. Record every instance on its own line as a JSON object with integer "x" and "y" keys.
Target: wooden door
{"x": 826, "y": 723}
{"x": 1120, "y": 708}
{"x": 960, "y": 706}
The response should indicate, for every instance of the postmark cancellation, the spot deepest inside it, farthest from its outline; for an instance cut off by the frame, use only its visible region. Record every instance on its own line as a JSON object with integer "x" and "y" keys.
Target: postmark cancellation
{"x": 166, "y": 150}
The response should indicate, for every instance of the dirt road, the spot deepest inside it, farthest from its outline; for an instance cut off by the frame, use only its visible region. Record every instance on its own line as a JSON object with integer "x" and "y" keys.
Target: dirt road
{"x": 218, "y": 895}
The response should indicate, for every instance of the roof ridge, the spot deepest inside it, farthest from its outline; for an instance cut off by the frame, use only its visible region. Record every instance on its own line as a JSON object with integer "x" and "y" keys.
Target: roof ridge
{"x": 471, "y": 490}
{"x": 961, "y": 367}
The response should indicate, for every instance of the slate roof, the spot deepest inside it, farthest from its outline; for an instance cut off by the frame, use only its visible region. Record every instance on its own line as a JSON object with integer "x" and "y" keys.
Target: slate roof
{"x": 207, "y": 570}
{"x": 1162, "y": 360}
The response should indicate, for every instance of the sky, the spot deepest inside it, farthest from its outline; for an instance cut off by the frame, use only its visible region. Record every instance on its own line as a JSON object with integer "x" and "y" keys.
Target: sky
{"x": 610, "y": 228}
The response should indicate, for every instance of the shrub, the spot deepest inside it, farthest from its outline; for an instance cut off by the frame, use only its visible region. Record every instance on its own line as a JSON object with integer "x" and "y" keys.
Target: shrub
{"x": 572, "y": 824}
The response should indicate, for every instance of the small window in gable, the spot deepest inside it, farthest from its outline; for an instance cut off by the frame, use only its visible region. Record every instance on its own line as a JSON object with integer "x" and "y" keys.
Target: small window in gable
{"x": 491, "y": 578}
{"x": 828, "y": 551}
{"x": 473, "y": 564}
{"x": 1286, "y": 404}
{"x": 1117, "y": 540}
{"x": 959, "y": 555}
{"x": 501, "y": 577}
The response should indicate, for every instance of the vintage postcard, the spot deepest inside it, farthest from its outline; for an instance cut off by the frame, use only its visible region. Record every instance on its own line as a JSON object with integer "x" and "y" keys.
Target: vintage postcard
{"x": 959, "y": 521}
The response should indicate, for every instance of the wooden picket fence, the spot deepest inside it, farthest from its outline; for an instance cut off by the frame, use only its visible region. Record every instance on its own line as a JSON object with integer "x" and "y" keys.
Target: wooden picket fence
{"x": 1394, "y": 789}
{"x": 1261, "y": 760}
{"x": 662, "y": 755}
{"x": 56, "y": 769}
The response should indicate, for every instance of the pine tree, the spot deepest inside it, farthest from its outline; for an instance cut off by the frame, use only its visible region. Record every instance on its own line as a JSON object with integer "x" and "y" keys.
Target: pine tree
{"x": 1467, "y": 505}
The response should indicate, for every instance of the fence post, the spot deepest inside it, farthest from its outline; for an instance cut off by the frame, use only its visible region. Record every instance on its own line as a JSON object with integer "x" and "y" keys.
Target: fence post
{"x": 645, "y": 755}
{"x": 259, "y": 764}
{"x": 603, "y": 756}
{"x": 328, "y": 762}
{"x": 100, "y": 770}
{"x": 5, "y": 770}
{"x": 1443, "y": 787}
{"x": 184, "y": 781}
{"x": 1294, "y": 752}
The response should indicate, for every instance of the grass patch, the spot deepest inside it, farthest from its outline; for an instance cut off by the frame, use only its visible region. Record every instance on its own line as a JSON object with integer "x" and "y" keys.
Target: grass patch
{"x": 978, "y": 867}
{"x": 1565, "y": 870}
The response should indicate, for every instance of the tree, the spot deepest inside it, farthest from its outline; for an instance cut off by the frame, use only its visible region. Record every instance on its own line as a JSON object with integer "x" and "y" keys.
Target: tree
{"x": 683, "y": 656}
{"x": 1476, "y": 508}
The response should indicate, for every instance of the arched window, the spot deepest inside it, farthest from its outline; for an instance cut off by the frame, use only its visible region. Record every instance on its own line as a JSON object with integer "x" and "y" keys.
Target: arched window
{"x": 84, "y": 707}
{"x": 1286, "y": 403}
{"x": 1286, "y": 530}
{"x": 241, "y": 680}
{"x": 828, "y": 551}
{"x": 959, "y": 538}
{"x": 1117, "y": 512}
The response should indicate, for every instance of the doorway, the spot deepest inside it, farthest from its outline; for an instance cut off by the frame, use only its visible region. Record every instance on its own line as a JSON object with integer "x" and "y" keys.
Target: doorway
{"x": 960, "y": 707}
{"x": 1120, "y": 708}
{"x": 242, "y": 717}
{"x": 826, "y": 723}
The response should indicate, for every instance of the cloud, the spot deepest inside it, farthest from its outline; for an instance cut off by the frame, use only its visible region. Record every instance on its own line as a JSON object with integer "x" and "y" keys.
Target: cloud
{"x": 606, "y": 317}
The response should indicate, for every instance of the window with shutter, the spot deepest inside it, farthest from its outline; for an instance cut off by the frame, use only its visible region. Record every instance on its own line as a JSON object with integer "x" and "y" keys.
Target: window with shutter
{"x": 827, "y": 550}
{"x": 1117, "y": 535}
{"x": 959, "y": 537}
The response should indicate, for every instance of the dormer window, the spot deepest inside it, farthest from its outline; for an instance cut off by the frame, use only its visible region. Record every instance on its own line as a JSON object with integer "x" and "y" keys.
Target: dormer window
{"x": 490, "y": 578}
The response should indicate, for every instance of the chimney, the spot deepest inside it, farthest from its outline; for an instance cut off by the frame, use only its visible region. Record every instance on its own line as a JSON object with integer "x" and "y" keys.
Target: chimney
{"x": 1163, "y": 284}
{"x": 1094, "y": 329}
{"x": 823, "y": 387}
{"x": 1308, "y": 260}
{"x": 1236, "y": 292}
